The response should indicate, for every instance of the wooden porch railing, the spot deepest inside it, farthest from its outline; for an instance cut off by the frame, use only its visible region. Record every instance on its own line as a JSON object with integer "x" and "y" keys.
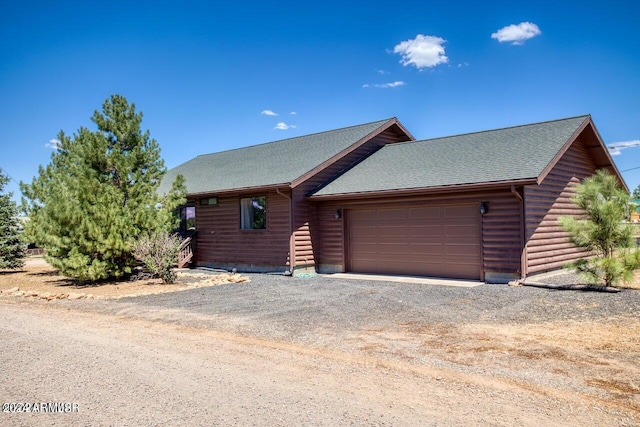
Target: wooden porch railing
{"x": 185, "y": 253}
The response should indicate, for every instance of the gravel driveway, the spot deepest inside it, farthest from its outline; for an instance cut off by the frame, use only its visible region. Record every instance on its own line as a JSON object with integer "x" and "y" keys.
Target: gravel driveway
{"x": 394, "y": 351}
{"x": 288, "y": 308}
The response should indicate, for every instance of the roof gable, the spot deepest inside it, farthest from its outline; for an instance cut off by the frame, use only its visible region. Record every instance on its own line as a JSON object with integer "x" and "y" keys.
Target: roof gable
{"x": 270, "y": 164}
{"x": 521, "y": 153}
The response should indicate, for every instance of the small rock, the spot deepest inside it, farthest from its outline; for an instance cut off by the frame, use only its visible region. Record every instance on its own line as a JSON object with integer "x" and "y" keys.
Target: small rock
{"x": 45, "y": 295}
{"x": 74, "y": 296}
{"x": 10, "y": 291}
{"x": 18, "y": 293}
{"x": 30, "y": 294}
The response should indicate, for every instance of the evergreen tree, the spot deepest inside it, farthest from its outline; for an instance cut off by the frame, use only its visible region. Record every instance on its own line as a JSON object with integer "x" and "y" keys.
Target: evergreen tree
{"x": 636, "y": 193}
{"x": 602, "y": 231}
{"x": 98, "y": 194}
{"x": 12, "y": 250}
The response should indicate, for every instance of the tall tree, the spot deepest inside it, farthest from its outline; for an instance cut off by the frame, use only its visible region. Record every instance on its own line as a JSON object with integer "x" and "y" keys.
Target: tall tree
{"x": 602, "y": 230}
{"x": 636, "y": 193}
{"x": 12, "y": 250}
{"x": 98, "y": 194}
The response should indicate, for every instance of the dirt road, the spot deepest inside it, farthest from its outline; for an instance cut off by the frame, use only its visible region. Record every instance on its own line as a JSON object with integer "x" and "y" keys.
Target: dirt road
{"x": 125, "y": 372}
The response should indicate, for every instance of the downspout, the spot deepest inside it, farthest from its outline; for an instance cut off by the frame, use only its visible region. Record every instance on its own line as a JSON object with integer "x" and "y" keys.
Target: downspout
{"x": 523, "y": 255}
{"x": 292, "y": 244}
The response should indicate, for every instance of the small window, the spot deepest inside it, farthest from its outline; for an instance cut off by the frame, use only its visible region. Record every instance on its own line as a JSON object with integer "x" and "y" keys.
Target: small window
{"x": 253, "y": 213}
{"x": 209, "y": 201}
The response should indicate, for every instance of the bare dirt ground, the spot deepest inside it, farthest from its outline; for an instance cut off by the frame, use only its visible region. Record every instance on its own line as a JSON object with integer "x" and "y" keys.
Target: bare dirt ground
{"x": 131, "y": 363}
{"x": 37, "y": 278}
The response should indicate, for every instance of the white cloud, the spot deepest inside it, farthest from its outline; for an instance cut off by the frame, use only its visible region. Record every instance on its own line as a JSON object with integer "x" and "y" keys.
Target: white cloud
{"x": 616, "y": 148}
{"x": 53, "y": 143}
{"x": 385, "y": 85}
{"x": 422, "y": 52}
{"x": 284, "y": 126}
{"x": 293, "y": 113}
{"x": 517, "y": 34}
{"x": 268, "y": 113}
{"x": 381, "y": 72}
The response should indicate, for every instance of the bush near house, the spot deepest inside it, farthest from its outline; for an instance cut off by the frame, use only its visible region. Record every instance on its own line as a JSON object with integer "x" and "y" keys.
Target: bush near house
{"x": 159, "y": 254}
{"x": 603, "y": 230}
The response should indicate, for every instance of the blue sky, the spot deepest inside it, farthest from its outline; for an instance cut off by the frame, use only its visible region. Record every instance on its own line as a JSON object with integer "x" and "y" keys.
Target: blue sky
{"x": 208, "y": 75}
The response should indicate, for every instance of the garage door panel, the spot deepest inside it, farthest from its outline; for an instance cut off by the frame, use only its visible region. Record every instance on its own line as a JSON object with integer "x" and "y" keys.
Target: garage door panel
{"x": 366, "y": 248}
{"x": 391, "y": 215}
{"x": 425, "y": 240}
{"x": 470, "y": 251}
{"x": 420, "y": 240}
{"x": 462, "y": 230}
{"x": 424, "y": 231}
{"x": 369, "y": 231}
{"x": 393, "y": 232}
{"x": 466, "y": 211}
{"x": 359, "y": 216}
{"x": 426, "y": 249}
{"x": 392, "y": 248}
{"x": 464, "y": 271}
{"x": 426, "y": 212}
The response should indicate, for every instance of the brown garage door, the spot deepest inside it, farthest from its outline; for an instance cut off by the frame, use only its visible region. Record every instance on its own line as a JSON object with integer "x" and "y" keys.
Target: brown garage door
{"x": 441, "y": 241}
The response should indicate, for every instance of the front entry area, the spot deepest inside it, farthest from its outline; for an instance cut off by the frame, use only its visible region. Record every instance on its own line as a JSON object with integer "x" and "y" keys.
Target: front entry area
{"x": 440, "y": 241}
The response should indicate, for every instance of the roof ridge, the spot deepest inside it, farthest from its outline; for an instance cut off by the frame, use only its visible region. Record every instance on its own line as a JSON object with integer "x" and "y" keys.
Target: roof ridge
{"x": 300, "y": 136}
{"x": 493, "y": 130}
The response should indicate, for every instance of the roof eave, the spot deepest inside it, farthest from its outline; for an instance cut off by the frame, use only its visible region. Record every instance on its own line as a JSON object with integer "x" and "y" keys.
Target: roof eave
{"x": 600, "y": 147}
{"x": 605, "y": 150}
{"x": 425, "y": 190}
{"x": 230, "y": 191}
{"x": 563, "y": 150}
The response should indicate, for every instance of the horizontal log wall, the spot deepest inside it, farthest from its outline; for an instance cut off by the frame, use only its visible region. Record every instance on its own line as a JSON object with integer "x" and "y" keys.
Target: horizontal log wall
{"x": 501, "y": 234}
{"x": 331, "y": 250}
{"x": 547, "y": 244}
{"x": 221, "y": 243}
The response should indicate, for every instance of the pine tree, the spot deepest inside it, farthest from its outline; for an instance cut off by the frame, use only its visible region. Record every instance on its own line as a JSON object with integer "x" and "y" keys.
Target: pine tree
{"x": 12, "y": 250}
{"x": 98, "y": 195}
{"x": 603, "y": 231}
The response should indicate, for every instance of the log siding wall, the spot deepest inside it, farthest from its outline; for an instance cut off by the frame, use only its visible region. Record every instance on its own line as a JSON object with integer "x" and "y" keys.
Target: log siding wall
{"x": 221, "y": 243}
{"x": 502, "y": 237}
{"x": 547, "y": 244}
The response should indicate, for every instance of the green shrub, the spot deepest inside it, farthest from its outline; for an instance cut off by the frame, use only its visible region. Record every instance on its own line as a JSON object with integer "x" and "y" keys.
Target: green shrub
{"x": 99, "y": 191}
{"x": 12, "y": 249}
{"x": 602, "y": 230}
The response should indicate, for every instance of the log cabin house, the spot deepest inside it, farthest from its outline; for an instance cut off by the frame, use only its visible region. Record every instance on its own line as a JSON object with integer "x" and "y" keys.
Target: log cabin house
{"x": 371, "y": 199}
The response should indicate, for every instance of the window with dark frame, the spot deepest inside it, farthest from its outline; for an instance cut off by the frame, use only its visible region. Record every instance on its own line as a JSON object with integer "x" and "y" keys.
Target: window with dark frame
{"x": 253, "y": 213}
{"x": 210, "y": 201}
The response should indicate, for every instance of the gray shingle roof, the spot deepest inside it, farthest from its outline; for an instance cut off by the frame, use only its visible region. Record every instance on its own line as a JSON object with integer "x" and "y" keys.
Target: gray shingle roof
{"x": 279, "y": 162}
{"x": 508, "y": 154}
